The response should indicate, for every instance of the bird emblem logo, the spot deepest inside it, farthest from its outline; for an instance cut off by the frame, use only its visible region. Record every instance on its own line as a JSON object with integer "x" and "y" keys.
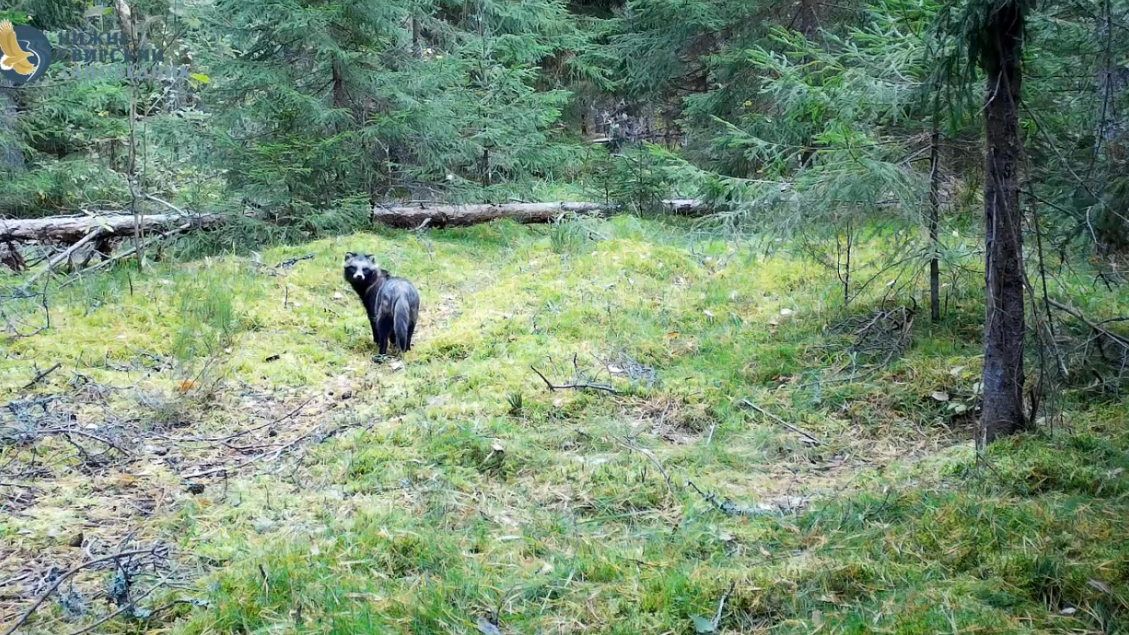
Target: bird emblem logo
{"x": 24, "y": 53}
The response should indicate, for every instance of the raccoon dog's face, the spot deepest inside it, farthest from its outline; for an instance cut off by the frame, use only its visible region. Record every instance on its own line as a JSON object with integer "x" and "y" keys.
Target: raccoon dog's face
{"x": 360, "y": 267}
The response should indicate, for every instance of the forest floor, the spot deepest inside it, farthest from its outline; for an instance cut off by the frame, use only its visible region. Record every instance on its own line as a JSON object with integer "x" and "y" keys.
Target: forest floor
{"x": 739, "y": 454}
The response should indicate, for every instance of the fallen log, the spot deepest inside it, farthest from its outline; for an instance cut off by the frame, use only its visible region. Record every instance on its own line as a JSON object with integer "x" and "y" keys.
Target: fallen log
{"x": 418, "y": 216}
{"x": 71, "y": 229}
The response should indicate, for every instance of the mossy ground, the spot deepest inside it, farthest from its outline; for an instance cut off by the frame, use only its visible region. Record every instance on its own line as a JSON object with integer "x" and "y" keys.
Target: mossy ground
{"x": 418, "y": 495}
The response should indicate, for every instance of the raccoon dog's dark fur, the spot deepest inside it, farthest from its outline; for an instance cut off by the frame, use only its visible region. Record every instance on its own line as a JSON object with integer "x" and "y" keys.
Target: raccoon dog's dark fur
{"x": 392, "y": 303}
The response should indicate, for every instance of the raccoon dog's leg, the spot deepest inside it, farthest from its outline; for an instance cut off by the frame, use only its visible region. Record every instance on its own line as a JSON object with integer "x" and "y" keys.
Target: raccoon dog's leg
{"x": 403, "y": 318}
{"x": 384, "y": 330}
{"x": 375, "y": 332}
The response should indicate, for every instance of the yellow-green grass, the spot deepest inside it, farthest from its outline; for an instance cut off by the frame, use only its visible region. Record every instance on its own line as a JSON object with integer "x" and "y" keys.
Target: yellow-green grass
{"x": 459, "y": 485}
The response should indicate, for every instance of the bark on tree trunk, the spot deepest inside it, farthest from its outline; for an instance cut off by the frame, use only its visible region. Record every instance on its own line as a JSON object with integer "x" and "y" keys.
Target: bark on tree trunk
{"x": 417, "y": 46}
{"x": 339, "y": 99}
{"x": 1003, "y": 377}
{"x": 807, "y": 18}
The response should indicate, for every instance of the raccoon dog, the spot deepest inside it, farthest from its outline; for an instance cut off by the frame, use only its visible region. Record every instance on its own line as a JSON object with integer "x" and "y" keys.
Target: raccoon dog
{"x": 392, "y": 303}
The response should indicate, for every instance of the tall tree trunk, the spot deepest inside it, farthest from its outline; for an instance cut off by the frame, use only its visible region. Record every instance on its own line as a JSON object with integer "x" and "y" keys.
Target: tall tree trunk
{"x": 417, "y": 46}
{"x": 935, "y": 212}
{"x": 11, "y": 158}
{"x": 125, "y": 21}
{"x": 807, "y": 20}
{"x": 807, "y": 23}
{"x": 339, "y": 97}
{"x": 1003, "y": 377}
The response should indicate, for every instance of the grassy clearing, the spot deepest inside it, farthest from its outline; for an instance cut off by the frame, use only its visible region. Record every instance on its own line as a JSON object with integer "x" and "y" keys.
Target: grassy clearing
{"x": 419, "y": 496}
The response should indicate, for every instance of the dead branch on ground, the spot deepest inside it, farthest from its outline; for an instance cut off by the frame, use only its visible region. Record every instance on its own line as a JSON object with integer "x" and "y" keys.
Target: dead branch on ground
{"x": 157, "y": 552}
{"x": 41, "y": 375}
{"x": 579, "y": 380}
{"x": 807, "y": 436}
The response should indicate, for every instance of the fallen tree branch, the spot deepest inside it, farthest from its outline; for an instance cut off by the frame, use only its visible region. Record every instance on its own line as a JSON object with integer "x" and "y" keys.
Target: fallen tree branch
{"x": 293, "y": 261}
{"x": 1097, "y": 328}
{"x": 721, "y": 606}
{"x": 273, "y": 454}
{"x": 125, "y": 254}
{"x": 238, "y": 434}
{"x": 38, "y": 378}
{"x": 575, "y": 386}
{"x": 93, "y": 437}
{"x": 92, "y": 236}
{"x": 67, "y": 574}
{"x": 809, "y": 437}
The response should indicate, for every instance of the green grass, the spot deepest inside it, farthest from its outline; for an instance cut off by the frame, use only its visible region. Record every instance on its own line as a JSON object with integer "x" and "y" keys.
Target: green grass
{"x": 463, "y": 486}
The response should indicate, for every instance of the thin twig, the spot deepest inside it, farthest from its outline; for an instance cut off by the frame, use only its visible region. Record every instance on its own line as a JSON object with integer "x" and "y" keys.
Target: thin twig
{"x": 40, "y": 376}
{"x": 258, "y": 457}
{"x": 721, "y": 606}
{"x": 241, "y": 433}
{"x": 1094, "y": 326}
{"x": 782, "y": 422}
{"x": 94, "y": 235}
{"x": 93, "y": 437}
{"x": 579, "y": 386}
{"x": 652, "y": 458}
{"x": 130, "y": 606}
{"x": 165, "y": 203}
{"x": 293, "y": 261}
{"x": 59, "y": 581}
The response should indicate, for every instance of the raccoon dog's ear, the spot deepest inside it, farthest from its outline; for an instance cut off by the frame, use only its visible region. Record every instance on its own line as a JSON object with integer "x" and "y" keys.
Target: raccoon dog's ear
{"x": 349, "y": 254}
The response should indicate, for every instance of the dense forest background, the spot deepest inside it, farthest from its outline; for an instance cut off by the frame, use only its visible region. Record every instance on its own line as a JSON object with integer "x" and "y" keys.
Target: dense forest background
{"x": 301, "y": 114}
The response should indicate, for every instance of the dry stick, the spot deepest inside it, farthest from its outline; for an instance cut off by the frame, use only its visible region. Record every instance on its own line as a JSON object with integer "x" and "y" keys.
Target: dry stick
{"x": 721, "y": 606}
{"x": 93, "y": 437}
{"x": 1094, "y": 326}
{"x": 575, "y": 386}
{"x": 127, "y": 253}
{"x": 781, "y": 422}
{"x": 652, "y": 458}
{"x": 166, "y": 204}
{"x": 65, "y": 255}
{"x": 293, "y": 261}
{"x": 709, "y": 498}
{"x": 59, "y": 581}
{"x": 128, "y": 607}
{"x": 277, "y": 453}
{"x": 40, "y": 376}
{"x": 239, "y": 434}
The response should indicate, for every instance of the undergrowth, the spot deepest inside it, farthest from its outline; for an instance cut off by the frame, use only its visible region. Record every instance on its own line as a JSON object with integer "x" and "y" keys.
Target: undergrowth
{"x": 464, "y": 489}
